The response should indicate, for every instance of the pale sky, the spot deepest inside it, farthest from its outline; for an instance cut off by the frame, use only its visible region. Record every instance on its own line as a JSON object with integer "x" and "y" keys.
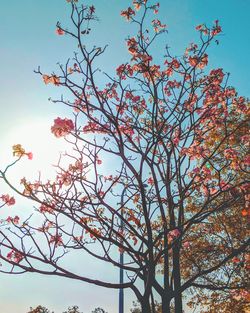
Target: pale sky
{"x": 28, "y": 39}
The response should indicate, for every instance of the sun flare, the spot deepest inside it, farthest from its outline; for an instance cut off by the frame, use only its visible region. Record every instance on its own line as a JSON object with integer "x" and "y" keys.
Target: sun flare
{"x": 35, "y": 137}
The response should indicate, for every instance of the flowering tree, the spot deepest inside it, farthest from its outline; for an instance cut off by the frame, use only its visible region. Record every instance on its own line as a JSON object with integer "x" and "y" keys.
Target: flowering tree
{"x": 174, "y": 202}
{"x": 42, "y": 309}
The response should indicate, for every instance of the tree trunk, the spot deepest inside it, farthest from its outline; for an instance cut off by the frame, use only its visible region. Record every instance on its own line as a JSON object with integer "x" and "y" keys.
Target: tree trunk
{"x": 177, "y": 281}
{"x": 165, "y": 299}
{"x": 178, "y": 303}
{"x": 165, "y": 305}
{"x": 145, "y": 305}
{"x": 153, "y": 302}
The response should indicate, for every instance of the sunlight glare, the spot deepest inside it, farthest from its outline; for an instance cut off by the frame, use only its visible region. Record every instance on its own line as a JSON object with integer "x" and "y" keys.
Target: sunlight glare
{"x": 35, "y": 137}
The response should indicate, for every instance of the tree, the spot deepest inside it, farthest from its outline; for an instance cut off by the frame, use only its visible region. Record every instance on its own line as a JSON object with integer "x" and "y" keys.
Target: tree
{"x": 157, "y": 308}
{"x": 73, "y": 309}
{"x": 99, "y": 310}
{"x": 39, "y": 309}
{"x": 175, "y": 200}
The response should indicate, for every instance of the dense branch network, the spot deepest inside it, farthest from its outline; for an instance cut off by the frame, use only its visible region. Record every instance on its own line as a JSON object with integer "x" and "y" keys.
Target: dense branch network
{"x": 158, "y": 170}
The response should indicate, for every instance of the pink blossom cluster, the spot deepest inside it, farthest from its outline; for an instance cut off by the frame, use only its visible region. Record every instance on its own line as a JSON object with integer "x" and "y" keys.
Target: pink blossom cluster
{"x": 14, "y": 256}
{"x": 14, "y": 220}
{"x": 173, "y": 234}
{"x": 56, "y": 239}
{"x": 62, "y": 127}
{"x": 8, "y": 200}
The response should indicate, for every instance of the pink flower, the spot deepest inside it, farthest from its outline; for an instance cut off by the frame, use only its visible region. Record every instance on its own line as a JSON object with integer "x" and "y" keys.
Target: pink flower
{"x": 14, "y": 256}
{"x": 156, "y": 7}
{"x": 8, "y": 200}
{"x": 246, "y": 160}
{"x": 216, "y": 29}
{"x": 230, "y": 153}
{"x": 14, "y": 220}
{"x": 62, "y": 127}
{"x": 193, "y": 61}
{"x": 59, "y": 31}
{"x": 186, "y": 245}
{"x": 199, "y": 62}
{"x": 173, "y": 234}
{"x": 245, "y": 140}
{"x": 51, "y": 80}
{"x": 158, "y": 26}
{"x": 9, "y": 219}
{"x": 101, "y": 193}
{"x": 98, "y": 161}
{"x": 176, "y": 141}
{"x": 202, "y": 28}
{"x": 235, "y": 260}
{"x": 29, "y": 155}
{"x": 175, "y": 63}
{"x": 127, "y": 14}
{"x": 91, "y": 10}
{"x": 64, "y": 178}
{"x": 9, "y": 255}
{"x": 169, "y": 71}
{"x": 126, "y": 130}
{"x": 57, "y": 239}
{"x": 93, "y": 127}
{"x": 44, "y": 208}
{"x": 151, "y": 181}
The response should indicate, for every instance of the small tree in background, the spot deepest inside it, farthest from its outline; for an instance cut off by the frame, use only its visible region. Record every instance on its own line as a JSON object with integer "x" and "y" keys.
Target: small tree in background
{"x": 174, "y": 200}
{"x": 39, "y": 309}
{"x": 73, "y": 309}
{"x": 99, "y": 310}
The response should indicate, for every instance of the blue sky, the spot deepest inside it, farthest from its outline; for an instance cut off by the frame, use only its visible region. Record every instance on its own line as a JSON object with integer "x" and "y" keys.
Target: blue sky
{"x": 27, "y": 34}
